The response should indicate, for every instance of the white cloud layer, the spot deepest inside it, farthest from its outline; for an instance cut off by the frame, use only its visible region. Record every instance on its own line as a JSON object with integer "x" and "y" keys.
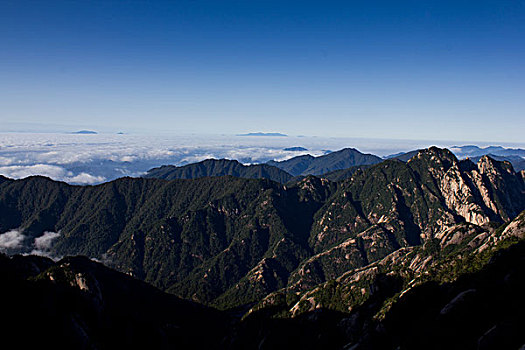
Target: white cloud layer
{"x": 91, "y": 159}
{"x": 11, "y": 240}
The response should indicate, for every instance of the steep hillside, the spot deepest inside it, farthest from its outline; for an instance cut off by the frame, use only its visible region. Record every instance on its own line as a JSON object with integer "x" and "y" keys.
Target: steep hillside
{"x": 196, "y": 238}
{"x": 219, "y": 167}
{"x": 395, "y": 204}
{"x": 80, "y": 304}
{"x": 460, "y": 301}
{"x": 343, "y": 174}
{"x": 468, "y": 297}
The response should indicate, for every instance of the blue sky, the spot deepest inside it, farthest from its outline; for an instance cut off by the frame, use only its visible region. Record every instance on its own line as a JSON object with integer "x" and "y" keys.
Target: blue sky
{"x": 437, "y": 70}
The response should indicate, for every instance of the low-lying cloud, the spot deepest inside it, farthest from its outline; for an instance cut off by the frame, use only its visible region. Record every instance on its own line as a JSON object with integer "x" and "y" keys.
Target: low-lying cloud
{"x": 42, "y": 245}
{"x": 15, "y": 242}
{"x": 44, "y": 241}
{"x": 52, "y": 171}
{"x": 11, "y": 240}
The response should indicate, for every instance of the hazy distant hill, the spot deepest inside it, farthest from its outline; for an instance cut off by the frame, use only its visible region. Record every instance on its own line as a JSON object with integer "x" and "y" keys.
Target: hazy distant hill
{"x": 295, "y": 149}
{"x": 475, "y": 151}
{"x": 263, "y": 134}
{"x": 219, "y": 167}
{"x": 309, "y": 165}
{"x": 85, "y": 132}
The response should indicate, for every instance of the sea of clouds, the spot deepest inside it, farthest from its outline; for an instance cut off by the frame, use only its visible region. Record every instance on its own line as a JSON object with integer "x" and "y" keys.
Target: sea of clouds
{"x": 92, "y": 159}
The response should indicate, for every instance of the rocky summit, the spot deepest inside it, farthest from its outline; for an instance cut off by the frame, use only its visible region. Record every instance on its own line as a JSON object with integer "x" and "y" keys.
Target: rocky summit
{"x": 312, "y": 263}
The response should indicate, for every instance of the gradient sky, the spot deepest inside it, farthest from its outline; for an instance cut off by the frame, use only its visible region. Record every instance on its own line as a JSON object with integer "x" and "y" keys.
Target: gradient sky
{"x": 441, "y": 70}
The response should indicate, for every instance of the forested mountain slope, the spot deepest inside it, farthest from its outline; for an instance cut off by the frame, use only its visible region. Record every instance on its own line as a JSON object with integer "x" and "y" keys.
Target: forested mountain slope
{"x": 219, "y": 167}
{"x": 229, "y": 241}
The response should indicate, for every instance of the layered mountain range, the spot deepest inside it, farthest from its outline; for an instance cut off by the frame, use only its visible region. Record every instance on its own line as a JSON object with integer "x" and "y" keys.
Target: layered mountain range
{"x": 334, "y": 166}
{"x": 293, "y": 169}
{"x": 270, "y": 251}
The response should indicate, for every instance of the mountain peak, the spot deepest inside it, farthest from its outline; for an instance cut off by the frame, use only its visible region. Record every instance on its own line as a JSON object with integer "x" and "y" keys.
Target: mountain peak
{"x": 442, "y": 152}
{"x": 441, "y": 156}
{"x": 348, "y": 149}
{"x": 219, "y": 161}
{"x": 487, "y": 164}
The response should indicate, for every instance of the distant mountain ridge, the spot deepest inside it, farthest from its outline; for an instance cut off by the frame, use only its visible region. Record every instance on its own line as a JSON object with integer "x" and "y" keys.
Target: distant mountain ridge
{"x": 279, "y": 171}
{"x": 309, "y": 165}
{"x": 334, "y": 166}
{"x": 219, "y": 167}
{"x": 475, "y": 151}
{"x": 272, "y": 134}
{"x": 295, "y": 149}
{"x": 85, "y": 132}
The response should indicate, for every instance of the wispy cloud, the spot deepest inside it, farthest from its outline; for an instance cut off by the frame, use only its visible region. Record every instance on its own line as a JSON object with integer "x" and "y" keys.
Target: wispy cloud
{"x": 11, "y": 240}
{"x": 15, "y": 242}
{"x": 42, "y": 245}
{"x": 44, "y": 241}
